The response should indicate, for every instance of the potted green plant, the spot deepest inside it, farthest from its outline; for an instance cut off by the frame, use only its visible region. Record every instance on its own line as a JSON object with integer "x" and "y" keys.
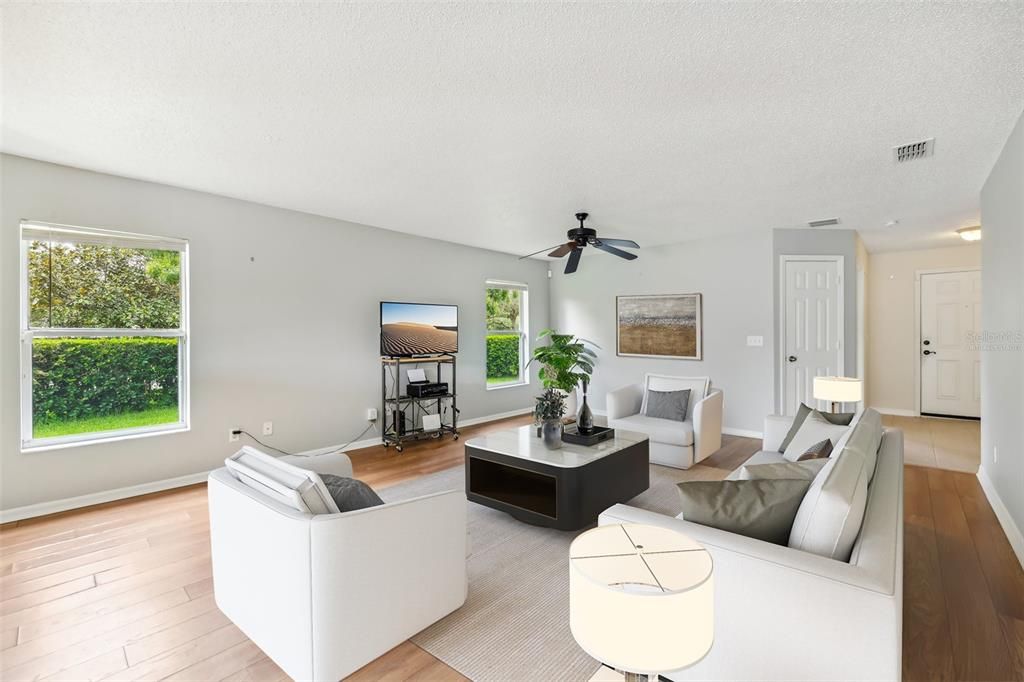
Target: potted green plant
{"x": 548, "y": 412}
{"x": 566, "y": 362}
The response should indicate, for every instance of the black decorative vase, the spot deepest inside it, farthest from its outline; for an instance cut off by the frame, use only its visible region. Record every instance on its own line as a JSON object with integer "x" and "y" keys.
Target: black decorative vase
{"x": 585, "y": 419}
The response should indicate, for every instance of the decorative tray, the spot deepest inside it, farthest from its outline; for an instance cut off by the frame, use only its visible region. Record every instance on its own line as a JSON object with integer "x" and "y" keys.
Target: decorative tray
{"x": 571, "y": 434}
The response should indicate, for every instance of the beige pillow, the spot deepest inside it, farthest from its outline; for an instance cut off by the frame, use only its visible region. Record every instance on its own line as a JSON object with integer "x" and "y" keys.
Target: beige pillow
{"x": 804, "y": 471}
{"x": 831, "y": 513}
{"x": 814, "y": 430}
{"x": 763, "y": 509}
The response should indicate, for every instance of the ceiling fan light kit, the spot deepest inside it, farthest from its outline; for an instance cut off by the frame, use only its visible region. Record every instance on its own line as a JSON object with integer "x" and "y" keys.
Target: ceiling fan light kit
{"x": 581, "y": 237}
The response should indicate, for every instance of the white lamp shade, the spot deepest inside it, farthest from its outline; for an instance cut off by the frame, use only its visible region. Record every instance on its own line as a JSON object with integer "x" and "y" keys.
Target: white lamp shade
{"x": 838, "y": 389}
{"x": 641, "y": 598}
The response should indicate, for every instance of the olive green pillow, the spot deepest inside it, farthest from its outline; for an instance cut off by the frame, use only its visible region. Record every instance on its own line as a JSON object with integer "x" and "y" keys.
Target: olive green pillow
{"x": 839, "y": 418}
{"x": 763, "y": 509}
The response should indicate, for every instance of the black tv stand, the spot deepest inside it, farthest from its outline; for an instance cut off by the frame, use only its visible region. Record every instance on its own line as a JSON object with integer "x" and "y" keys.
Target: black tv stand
{"x": 402, "y": 414}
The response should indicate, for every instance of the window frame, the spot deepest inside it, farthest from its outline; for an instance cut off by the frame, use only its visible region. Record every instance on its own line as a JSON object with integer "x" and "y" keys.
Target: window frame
{"x": 523, "y": 332}
{"x": 28, "y": 333}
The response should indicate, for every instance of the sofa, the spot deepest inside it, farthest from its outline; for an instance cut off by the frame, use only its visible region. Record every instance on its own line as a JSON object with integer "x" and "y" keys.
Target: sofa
{"x": 324, "y": 594}
{"x": 787, "y": 614}
{"x": 679, "y": 444}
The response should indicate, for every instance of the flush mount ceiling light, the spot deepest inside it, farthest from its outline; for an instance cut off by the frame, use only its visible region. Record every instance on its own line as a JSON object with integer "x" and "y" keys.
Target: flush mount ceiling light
{"x": 970, "y": 234}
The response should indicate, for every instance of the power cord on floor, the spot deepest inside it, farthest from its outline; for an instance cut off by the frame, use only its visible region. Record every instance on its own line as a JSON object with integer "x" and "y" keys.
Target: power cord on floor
{"x": 236, "y": 432}
{"x": 373, "y": 425}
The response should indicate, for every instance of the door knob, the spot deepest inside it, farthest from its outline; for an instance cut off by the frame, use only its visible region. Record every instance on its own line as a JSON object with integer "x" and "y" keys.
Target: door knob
{"x": 930, "y": 352}
{"x": 792, "y": 358}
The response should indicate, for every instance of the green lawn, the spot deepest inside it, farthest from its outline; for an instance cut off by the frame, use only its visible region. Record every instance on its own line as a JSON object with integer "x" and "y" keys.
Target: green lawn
{"x": 494, "y": 381}
{"x": 112, "y": 422}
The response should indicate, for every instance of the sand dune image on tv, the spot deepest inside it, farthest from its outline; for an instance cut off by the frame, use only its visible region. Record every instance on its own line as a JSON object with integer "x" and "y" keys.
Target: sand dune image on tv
{"x": 418, "y": 329}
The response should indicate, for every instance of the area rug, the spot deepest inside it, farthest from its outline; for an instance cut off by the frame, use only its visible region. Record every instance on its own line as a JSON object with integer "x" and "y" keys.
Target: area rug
{"x": 515, "y": 622}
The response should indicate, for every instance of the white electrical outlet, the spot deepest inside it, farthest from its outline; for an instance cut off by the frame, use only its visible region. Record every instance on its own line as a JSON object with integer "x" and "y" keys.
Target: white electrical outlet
{"x": 995, "y": 454}
{"x": 755, "y": 341}
{"x": 268, "y": 428}
{"x": 232, "y": 436}
{"x": 371, "y": 414}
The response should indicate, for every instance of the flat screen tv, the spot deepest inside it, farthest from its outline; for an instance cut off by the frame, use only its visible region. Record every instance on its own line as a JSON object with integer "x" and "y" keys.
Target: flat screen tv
{"x": 418, "y": 329}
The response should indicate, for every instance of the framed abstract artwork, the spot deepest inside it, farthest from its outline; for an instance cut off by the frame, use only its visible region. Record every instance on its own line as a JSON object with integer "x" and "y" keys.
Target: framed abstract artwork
{"x": 662, "y": 326}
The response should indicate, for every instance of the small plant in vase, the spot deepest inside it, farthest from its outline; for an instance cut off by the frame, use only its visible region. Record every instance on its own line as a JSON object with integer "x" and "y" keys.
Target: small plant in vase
{"x": 548, "y": 411}
{"x": 566, "y": 362}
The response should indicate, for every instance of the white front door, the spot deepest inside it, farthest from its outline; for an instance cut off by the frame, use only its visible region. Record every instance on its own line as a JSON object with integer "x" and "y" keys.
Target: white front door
{"x": 813, "y": 329}
{"x": 950, "y": 365}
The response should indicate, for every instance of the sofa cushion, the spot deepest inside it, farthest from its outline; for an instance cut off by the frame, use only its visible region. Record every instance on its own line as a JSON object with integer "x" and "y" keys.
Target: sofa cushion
{"x": 840, "y": 418}
{"x": 831, "y": 513}
{"x": 814, "y": 429}
{"x": 759, "y": 457}
{"x": 658, "y": 430}
{"x": 761, "y": 509}
{"x": 865, "y": 438}
{"x": 668, "y": 404}
{"x": 298, "y": 488}
{"x": 804, "y": 471}
{"x": 661, "y": 382}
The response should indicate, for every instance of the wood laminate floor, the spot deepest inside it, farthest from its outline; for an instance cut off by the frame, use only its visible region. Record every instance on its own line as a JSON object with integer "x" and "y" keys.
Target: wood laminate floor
{"x": 122, "y": 591}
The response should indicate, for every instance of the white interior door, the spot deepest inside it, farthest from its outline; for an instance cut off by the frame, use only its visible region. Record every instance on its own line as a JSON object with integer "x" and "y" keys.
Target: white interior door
{"x": 950, "y": 364}
{"x": 813, "y": 329}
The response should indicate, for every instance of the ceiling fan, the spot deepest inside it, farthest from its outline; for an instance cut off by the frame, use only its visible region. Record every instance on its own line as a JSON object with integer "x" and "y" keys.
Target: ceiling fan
{"x": 580, "y": 237}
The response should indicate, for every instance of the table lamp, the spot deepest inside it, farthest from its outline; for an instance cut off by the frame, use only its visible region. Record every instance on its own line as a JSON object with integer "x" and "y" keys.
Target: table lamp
{"x": 641, "y": 599}
{"x": 838, "y": 390}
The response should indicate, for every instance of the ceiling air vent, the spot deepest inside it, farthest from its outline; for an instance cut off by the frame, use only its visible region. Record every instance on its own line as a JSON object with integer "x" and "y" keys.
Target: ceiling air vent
{"x": 824, "y": 223}
{"x": 914, "y": 150}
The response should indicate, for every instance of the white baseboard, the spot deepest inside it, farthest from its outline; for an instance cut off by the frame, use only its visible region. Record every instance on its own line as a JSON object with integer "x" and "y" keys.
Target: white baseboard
{"x": 44, "y": 508}
{"x": 895, "y": 411}
{"x": 746, "y": 433}
{"x": 370, "y": 442}
{"x": 1013, "y": 533}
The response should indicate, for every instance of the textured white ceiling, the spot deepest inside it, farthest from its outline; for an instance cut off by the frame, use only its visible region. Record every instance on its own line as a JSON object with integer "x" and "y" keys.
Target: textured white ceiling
{"x": 491, "y": 124}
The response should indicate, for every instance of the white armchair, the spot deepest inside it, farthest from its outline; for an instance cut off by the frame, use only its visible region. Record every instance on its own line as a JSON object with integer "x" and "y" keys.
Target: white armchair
{"x": 673, "y": 443}
{"x": 325, "y": 594}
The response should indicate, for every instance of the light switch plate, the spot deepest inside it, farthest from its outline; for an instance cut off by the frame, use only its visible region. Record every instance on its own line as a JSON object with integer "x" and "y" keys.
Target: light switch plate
{"x": 755, "y": 341}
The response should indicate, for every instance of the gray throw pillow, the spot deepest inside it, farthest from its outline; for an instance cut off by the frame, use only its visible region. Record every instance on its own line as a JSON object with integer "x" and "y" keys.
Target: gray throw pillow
{"x": 763, "y": 509}
{"x": 839, "y": 418}
{"x": 350, "y": 494}
{"x": 668, "y": 404}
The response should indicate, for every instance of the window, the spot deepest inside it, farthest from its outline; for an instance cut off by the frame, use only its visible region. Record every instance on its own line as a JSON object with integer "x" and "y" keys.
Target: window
{"x": 104, "y": 335}
{"x": 507, "y": 345}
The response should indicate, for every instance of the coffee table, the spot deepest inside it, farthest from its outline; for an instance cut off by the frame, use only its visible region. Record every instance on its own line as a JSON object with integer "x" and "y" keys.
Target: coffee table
{"x": 567, "y": 488}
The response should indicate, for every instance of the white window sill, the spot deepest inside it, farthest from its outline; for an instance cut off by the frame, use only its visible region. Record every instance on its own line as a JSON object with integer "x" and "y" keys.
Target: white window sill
{"x": 59, "y": 443}
{"x": 514, "y": 384}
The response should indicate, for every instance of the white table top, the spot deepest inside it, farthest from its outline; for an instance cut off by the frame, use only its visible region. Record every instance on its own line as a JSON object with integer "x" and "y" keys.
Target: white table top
{"x": 523, "y": 443}
{"x": 639, "y": 558}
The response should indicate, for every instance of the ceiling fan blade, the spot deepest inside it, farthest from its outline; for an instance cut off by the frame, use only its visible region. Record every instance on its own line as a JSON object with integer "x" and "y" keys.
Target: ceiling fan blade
{"x": 615, "y": 252}
{"x": 574, "y": 260}
{"x": 562, "y": 250}
{"x": 537, "y": 252}
{"x": 628, "y": 243}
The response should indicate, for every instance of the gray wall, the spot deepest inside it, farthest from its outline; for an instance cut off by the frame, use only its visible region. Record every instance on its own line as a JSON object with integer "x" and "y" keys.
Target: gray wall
{"x": 291, "y": 337}
{"x": 1002, "y": 316}
{"x": 819, "y": 242}
{"x": 732, "y": 275}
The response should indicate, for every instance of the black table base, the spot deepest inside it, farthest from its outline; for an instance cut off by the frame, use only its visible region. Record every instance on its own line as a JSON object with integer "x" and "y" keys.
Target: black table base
{"x": 556, "y": 497}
